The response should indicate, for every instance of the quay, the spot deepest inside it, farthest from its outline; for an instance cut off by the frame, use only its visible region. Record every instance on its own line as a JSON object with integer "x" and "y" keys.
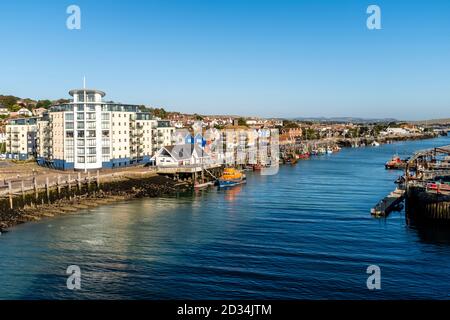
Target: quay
{"x": 426, "y": 185}
{"x": 389, "y": 203}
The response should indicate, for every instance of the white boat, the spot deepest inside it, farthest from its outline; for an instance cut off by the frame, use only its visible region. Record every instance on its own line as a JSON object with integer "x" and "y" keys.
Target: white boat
{"x": 375, "y": 144}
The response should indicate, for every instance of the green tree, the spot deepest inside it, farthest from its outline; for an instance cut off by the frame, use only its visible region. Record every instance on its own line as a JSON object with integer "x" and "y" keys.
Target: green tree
{"x": 43, "y": 104}
{"x": 242, "y": 122}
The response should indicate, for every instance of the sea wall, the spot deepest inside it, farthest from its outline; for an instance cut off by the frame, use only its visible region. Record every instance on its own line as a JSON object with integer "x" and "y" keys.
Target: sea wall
{"x": 34, "y": 205}
{"x": 423, "y": 205}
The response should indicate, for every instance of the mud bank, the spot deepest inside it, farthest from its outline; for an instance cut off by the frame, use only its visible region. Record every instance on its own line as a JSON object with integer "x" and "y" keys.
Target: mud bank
{"x": 34, "y": 206}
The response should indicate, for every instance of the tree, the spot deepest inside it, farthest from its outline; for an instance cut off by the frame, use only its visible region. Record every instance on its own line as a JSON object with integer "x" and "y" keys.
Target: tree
{"x": 198, "y": 117}
{"x": 8, "y": 101}
{"x": 43, "y": 104}
{"x": 242, "y": 122}
{"x": 290, "y": 125}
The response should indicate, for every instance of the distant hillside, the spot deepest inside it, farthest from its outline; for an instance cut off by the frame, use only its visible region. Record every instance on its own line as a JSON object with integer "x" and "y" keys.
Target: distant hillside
{"x": 433, "y": 121}
{"x": 14, "y": 103}
{"x": 346, "y": 120}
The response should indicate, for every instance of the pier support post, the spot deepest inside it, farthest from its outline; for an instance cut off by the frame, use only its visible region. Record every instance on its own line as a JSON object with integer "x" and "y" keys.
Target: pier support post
{"x": 59, "y": 185}
{"x": 36, "y": 195}
{"x": 11, "y": 206}
{"x": 98, "y": 179}
{"x": 47, "y": 189}
{"x": 79, "y": 182}
{"x": 23, "y": 190}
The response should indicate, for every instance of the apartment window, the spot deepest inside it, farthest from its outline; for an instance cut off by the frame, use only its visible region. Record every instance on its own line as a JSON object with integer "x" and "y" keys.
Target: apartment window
{"x": 90, "y": 107}
{"x": 105, "y": 158}
{"x": 92, "y": 150}
{"x": 91, "y": 142}
{"x": 90, "y": 134}
{"x": 80, "y": 116}
{"x": 92, "y": 159}
{"x": 80, "y": 125}
{"x": 105, "y": 133}
{"x": 80, "y": 159}
{"x": 69, "y": 116}
{"x": 105, "y": 150}
{"x": 80, "y": 134}
{"x": 80, "y": 143}
{"x": 90, "y": 125}
{"x": 105, "y": 116}
{"x": 90, "y": 116}
{"x": 69, "y": 125}
{"x": 69, "y": 134}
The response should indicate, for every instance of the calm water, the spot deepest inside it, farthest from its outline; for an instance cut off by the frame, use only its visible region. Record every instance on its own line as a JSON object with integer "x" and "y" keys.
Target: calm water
{"x": 305, "y": 233}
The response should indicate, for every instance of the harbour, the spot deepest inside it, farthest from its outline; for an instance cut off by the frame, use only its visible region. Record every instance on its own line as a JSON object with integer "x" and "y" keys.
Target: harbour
{"x": 243, "y": 241}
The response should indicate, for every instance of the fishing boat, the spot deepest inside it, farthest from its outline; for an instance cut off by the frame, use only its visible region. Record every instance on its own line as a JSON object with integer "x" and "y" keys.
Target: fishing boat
{"x": 329, "y": 150}
{"x": 375, "y": 144}
{"x": 336, "y": 149}
{"x": 231, "y": 177}
{"x": 303, "y": 156}
{"x": 396, "y": 163}
{"x": 257, "y": 167}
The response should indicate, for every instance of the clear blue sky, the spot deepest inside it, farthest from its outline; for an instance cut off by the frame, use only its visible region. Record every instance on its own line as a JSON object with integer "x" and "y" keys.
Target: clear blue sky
{"x": 250, "y": 57}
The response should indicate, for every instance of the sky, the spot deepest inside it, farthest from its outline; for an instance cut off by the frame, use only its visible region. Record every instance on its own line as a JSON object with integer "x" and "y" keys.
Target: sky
{"x": 278, "y": 58}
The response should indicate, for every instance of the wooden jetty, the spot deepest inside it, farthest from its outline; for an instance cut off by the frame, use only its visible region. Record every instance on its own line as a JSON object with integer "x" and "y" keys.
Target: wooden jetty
{"x": 389, "y": 203}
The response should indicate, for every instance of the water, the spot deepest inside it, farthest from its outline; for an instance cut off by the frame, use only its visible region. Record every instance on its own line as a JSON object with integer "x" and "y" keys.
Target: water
{"x": 305, "y": 233}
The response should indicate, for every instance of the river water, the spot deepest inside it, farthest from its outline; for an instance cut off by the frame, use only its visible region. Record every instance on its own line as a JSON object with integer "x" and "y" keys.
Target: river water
{"x": 305, "y": 233}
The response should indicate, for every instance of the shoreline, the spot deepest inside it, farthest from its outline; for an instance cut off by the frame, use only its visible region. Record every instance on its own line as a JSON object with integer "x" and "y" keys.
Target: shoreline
{"x": 56, "y": 203}
{"x": 108, "y": 193}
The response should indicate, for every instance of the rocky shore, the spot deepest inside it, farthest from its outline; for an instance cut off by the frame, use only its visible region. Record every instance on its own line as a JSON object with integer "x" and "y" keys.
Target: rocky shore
{"x": 110, "y": 192}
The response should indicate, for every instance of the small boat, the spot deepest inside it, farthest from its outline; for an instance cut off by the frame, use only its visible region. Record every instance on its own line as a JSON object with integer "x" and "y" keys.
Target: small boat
{"x": 395, "y": 163}
{"x": 231, "y": 177}
{"x": 322, "y": 151}
{"x": 315, "y": 152}
{"x": 336, "y": 149}
{"x": 203, "y": 185}
{"x": 257, "y": 167}
{"x": 292, "y": 160}
{"x": 303, "y": 156}
{"x": 329, "y": 150}
{"x": 375, "y": 144}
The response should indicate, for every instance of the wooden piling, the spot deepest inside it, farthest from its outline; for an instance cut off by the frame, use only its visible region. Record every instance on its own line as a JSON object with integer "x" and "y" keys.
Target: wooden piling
{"x": 98, "y": 179}
{"x": 11, "y": 206}
{"x": 47, "y": 189}
{"x": 58, "y": 184}
{"x": 36, "y": 195}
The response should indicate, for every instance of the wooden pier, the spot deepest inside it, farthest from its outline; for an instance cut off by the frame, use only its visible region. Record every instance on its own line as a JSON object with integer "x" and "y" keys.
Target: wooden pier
{"x": 388, "y": 203}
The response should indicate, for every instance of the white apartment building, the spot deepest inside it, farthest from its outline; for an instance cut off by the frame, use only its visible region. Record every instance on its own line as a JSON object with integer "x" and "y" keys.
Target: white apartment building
{"x": 21, "y": 138}
{"x": 88, "y": 133}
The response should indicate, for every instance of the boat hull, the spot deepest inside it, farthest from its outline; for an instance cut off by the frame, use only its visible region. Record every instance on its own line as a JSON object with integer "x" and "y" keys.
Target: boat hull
{"x": 230, "y": 183}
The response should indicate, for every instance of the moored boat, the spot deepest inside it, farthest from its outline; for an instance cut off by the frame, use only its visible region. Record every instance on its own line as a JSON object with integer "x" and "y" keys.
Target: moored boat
{"x": 396, "y": 163}
{"x": 231, "y": 177}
